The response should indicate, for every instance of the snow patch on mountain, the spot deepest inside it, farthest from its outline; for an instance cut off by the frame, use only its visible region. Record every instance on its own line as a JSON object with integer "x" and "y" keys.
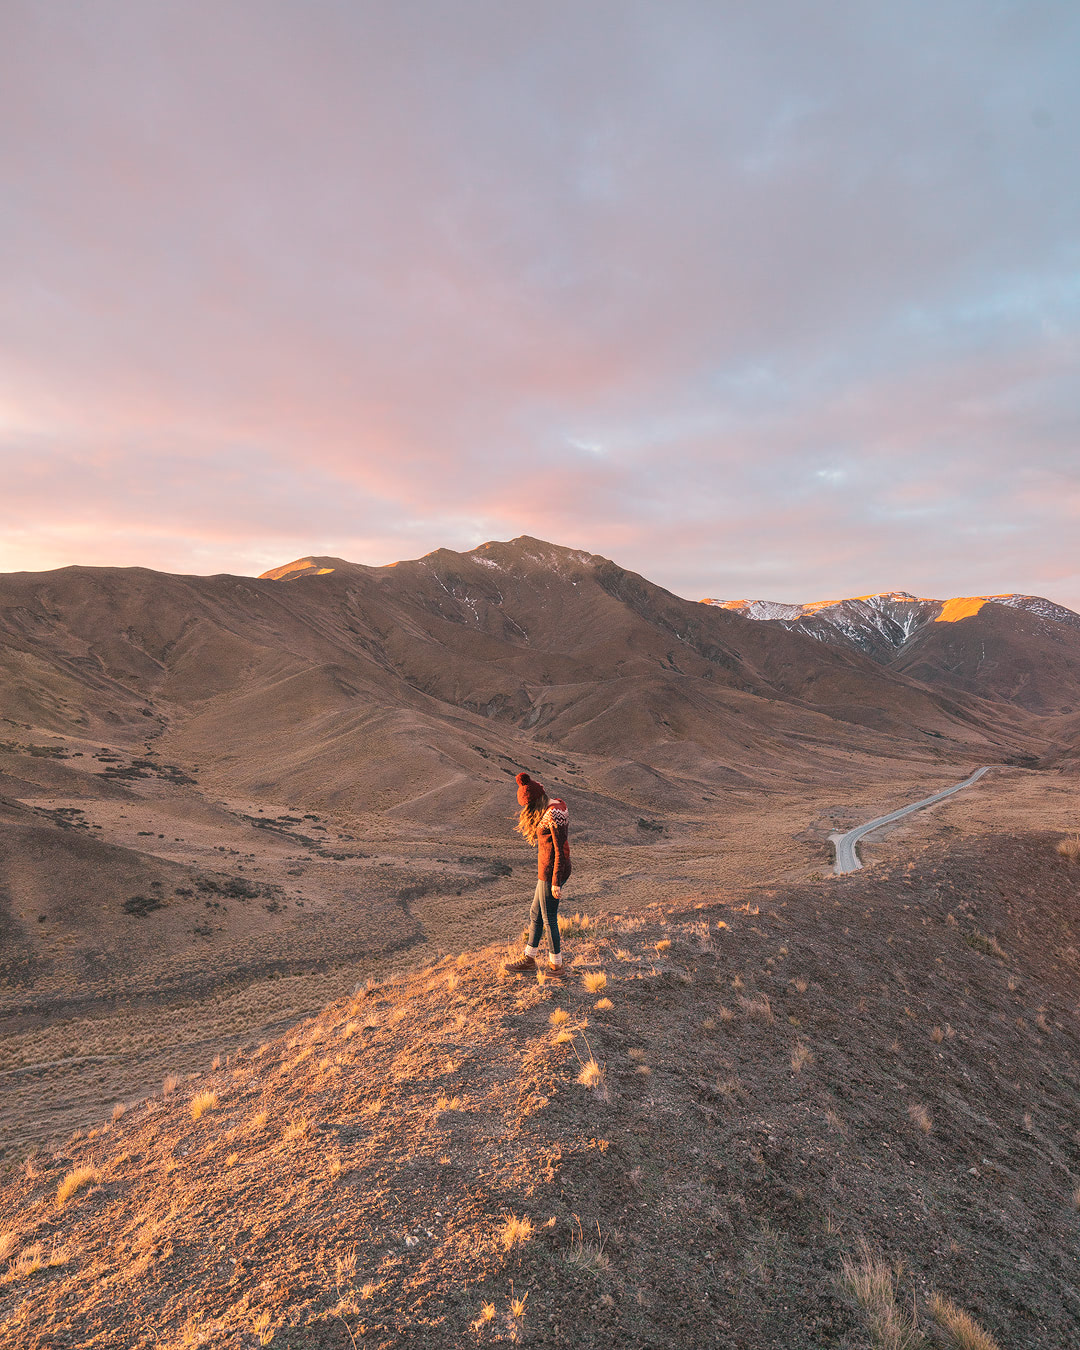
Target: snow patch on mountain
{"x": 882, "y": 623}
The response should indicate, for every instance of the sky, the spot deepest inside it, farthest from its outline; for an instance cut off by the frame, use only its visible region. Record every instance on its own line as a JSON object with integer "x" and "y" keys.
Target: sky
{"x": 775, "y": 301}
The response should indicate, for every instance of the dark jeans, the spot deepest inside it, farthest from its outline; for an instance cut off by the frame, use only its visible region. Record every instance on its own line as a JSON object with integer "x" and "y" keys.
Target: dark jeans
{"x": 544, "y": 914}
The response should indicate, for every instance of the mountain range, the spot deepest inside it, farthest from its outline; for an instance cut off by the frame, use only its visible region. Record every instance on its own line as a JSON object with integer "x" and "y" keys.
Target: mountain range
{"x": 1023, "y": 649}
{"x": 415, "y": 688}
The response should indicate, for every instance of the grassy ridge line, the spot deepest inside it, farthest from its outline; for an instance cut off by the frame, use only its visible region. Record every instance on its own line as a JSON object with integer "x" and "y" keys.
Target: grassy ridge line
{"x": 775, "y": 1089}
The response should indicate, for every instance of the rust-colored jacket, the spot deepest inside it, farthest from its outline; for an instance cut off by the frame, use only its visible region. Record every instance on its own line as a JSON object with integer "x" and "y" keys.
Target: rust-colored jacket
{"x": 553, "y": 844}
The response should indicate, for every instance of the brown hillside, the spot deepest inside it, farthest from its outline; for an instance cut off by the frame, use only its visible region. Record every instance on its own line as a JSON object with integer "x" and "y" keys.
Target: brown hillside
{"x": 880, "y": 1069}
{"x": 999, "y": 653}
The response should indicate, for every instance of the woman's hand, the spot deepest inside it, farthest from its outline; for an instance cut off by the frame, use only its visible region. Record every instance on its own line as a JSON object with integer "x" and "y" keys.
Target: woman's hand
{"x": 556, "y": 892}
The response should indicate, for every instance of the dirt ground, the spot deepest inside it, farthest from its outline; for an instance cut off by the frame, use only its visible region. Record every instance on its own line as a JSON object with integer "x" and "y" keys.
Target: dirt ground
{"x": 881, "y": 1068}
{"x": 250, "y": 915}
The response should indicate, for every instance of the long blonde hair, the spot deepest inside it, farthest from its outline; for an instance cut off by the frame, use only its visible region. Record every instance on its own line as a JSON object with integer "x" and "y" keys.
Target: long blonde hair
{"x": 528, "y": 822}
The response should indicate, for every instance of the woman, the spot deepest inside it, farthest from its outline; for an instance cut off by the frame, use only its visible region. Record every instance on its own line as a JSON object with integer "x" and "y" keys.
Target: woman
{"x": 544, "y": 822}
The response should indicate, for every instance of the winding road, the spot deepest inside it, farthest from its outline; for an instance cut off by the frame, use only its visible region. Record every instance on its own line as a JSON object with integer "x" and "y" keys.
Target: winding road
{"x": 847, "y": 860}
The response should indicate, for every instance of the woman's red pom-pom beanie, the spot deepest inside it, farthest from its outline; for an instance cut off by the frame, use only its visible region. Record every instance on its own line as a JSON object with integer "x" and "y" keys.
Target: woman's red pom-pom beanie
{"x": 529, "y": 791}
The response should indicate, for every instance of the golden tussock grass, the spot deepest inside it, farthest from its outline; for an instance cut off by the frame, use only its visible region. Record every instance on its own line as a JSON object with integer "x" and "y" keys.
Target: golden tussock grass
{"x": 515, "y": 1232}
{"x": 486, "y": 1314}
{"x": 577, "y": 923}
{"x": 602, "y": 1005}
{"x": 558, "y": 1017}
{"x": 232, "y": 1159}
{"x": 171, "y": 1083}
{"x": 644, "y": 1070}
{"x": 709, "y": 1024}
{"x": 937, "y": 1035}
{"x": 872, "y": 1283}
{"x": 963, "y": 1332}
{"x": 258, "y": 1120}
{"x": 663, "y": 945}
{"x": 592, "y": 1077}
{"x": 561, "y": 1037}
{"x": 920, "y": 1117}
{"x": 118, "y": 1110}
{"x": 1069, "y": 847}
{"x": 297, "y": 1128}
{"x": 448, "y": 1104}
{"x": 517, "y": 1305}
{"x": 801, "y": 985}
{"x": 637, "y": 1053}
{"x": 75, "y": 1180}
{"x": 33, "y": 1258}
{"x": 201, "y": 1103}
{"x": 7, "y": 1244}
{"x": 595, "y": 981}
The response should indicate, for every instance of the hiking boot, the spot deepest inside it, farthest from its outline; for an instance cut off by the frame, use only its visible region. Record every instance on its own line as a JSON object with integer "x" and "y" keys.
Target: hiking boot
{"x": 559, "y": 972}
{"x": 524, "y": 965}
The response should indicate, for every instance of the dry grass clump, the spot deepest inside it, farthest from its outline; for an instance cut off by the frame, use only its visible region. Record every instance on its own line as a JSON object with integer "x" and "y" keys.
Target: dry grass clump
{"x": 937, "y": 1035}
{"x": 963, "y": 1332}
{"x": 515, "y": 1231}
{"x": 602, "y": 1005}
{"x": 33, "y": 1258}
{"x": 663, "y": 945}
{"x": 592, "y": 1077}
{"x": 872, "y": 1284}
{"x": 801, "y": 1056}
{"x": 201, "y": 1103}
{"x": 595, "y": 981}
{"x": 118, "y": 1110}
{"x": 987, "y": 943}
{"x": 297, "y": 1128}
{"x": 1076, "y": 1198}
{"x": 487, "y": 1314}
{"x": 562, "y": 1036}
{"x": 558, "y": 1017}
{"x": 1069, "y": 847}
{"x": 588, "y": 1256}
{"x": 920, "y": 1117}
{"x": 171, "y": 1083}
{"x": 577, "y": 923}
{"x": 75, "y": 1180}
{"x": 757, "y": 1006}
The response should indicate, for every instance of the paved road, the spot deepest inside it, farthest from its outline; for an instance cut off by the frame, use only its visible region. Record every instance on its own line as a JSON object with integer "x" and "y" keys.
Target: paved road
{"x": 847, "y": 860}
